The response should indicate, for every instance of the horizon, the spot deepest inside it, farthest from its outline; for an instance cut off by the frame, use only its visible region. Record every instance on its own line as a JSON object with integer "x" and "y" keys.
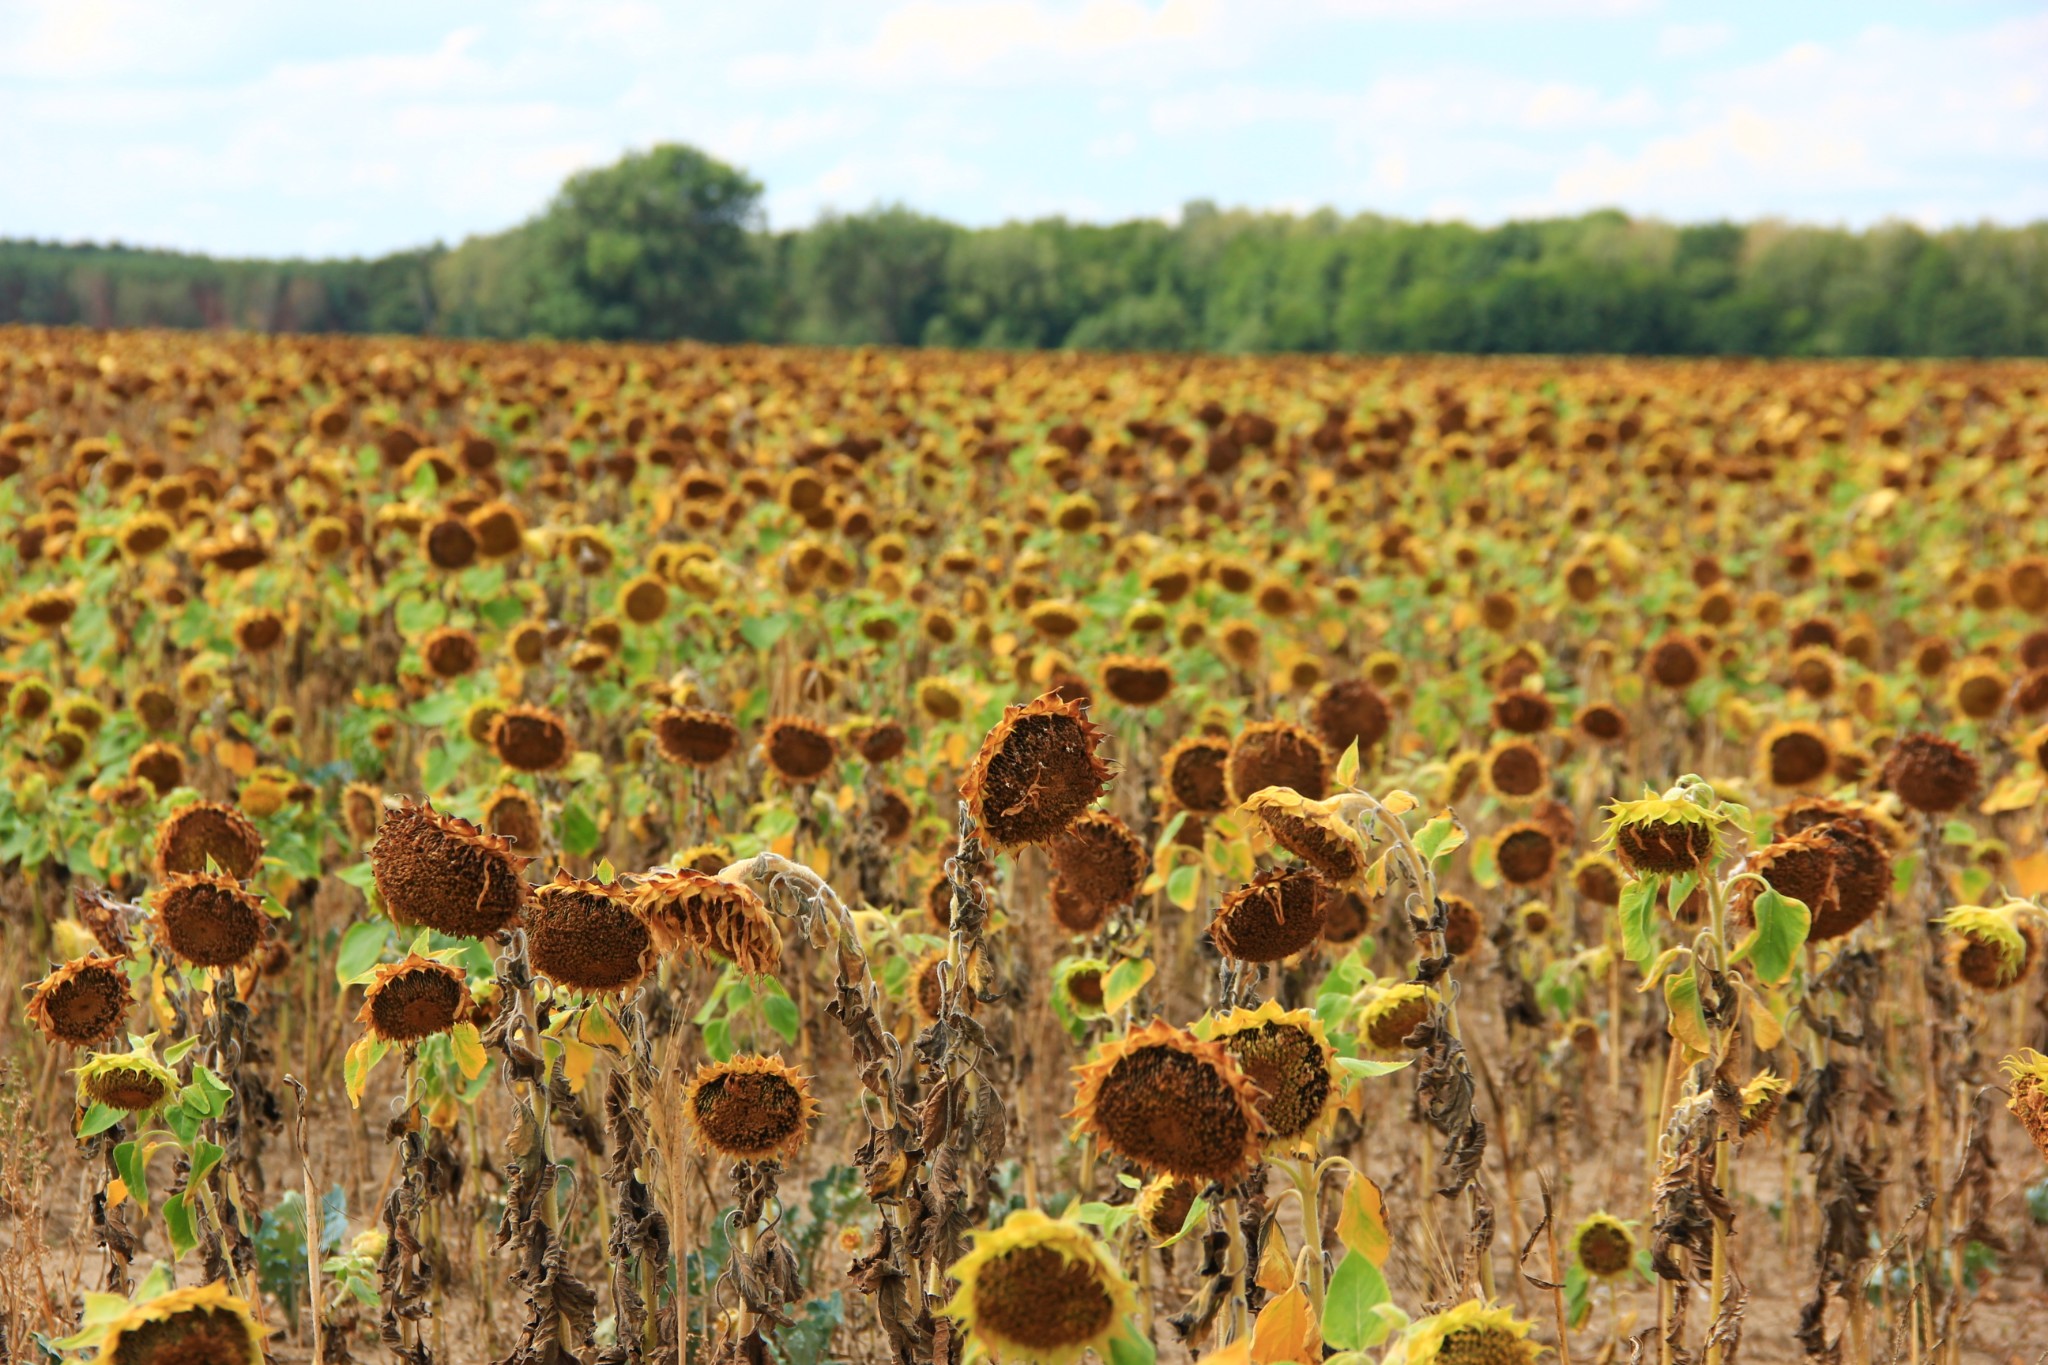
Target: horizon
{"x": 241, "y": 133}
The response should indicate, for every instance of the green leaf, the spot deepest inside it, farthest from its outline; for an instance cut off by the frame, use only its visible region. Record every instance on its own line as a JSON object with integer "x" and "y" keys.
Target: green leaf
{"x": 362, "y": 944}
{"x": 1124, "y": 981}
{"x": 763, "y": 631}
{"x": 1358, "y": 1067}
{"x": 1131, "y": 1347}
{"x": 133, "y": 1165}
{"x": 578, "y": 829}
{"x": 205, "y": 1156}
{"x": 1440, "y": 838}
{"x": 782, "y": 1016}
{"x": 439, "y": 767}
{"x": 1357, "y": 1288}
{"x": 1181, "y": 885}
{"x": 1688, "y": 1022}
{"x": 178, "y": 1222}
{"x": 1638, "y": 912}
{"x": 718, "y": 1040}
{"x": 363, "y": 1056}
{"x": 97, "y": 1120}
{"x": 1782, "y": 925}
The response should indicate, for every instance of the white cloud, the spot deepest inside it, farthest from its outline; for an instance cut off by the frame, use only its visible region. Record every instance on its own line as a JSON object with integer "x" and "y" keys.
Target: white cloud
{"x": 1017, "y": 42}
{"x": 1693, "y": 40}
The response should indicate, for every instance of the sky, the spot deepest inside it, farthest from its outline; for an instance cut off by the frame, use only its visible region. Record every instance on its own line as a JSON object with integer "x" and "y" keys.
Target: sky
{"x": 252, "y": 127}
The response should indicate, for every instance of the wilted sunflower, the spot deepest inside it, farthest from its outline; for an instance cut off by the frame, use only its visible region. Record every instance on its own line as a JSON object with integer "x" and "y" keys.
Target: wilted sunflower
{"x": 1036, "y": 771}
{"x": 1166, "y": 1100}
{"x": 49, "y": 608}
{"x": 82, "y": 1002}
{"x": 259, "y": 630}
{"x": 155, "y": 708}
{"x": 1977, "y": 690}
{"x": 750, "y": 1108}
{"x": 1603, "y": 1246}
{"x": 451, "y": 652}
{"x": 1351, "y": 711}
{"x": 144, "y": 534}
{"x": 1394, "y": 1012}
{"x": 1277, "y": 753}
{"x": 1077, "y": 984}
{"x": 1601, "y": 722}
{"x": 644, "y": 600}
{"x": 1799, "y": 867}
{"x": 30, "y": 699}
{"x": 695, "y": 737}
{"x": 446, "y": 874}
{"x": 514, "y": 816}
{"x": 500, "y": 530}
{"x": 1992, "y": 948}
{"x": 799, "y": 750}
{"x": 1674, "y": 662}
{"x": 159, "y": 764}
{"x": 881, "y": 741}
{"x": 1274, "y": 917}
{"x": 1098, "y": 858}
{"x": 449, "y": 543}
{"x": 527, "y": 643}
{"x": 134, "y": 1082}
{"x": 2028, "y": 1072}
{"x": 1525, "y": 852}
{"x": 414, "y": 999}
{"x": 1463, "y": 924}
{"x": 1929, "y": 773}
{"x": 1761, "y": 1097}
{"x": 1598, "y": 878}
{"x": 940, "y": 700}
{"x": 1041, "y": 1290}
{"x": 1666, "y": 835}
{"x": 191, "y": 834}
{"x": 532, "y": 739}
{"x": 1164, "y": 1205}
{"x": 1523, "y": 712}
{"x": 1286, "y": 1054}
{"x": 1135, "y": 680}
{"x": 208, "y": 920}
{"x": 1515, "y": 771}
{"x": 202, "y": 1325}
{"x": 1470, "y": 1334}
{"x": 361, "y": 811}
{"x": 1193, "y": 773}
{"x": 586, "y": 936}
{"x": 691, "y": 910}
{"x": 1313, "y": 831}
{"x": 1794, "y": 755}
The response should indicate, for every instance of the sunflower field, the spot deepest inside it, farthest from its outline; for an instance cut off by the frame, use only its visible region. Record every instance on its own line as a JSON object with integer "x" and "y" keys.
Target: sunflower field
{"x": 546, "y": 853}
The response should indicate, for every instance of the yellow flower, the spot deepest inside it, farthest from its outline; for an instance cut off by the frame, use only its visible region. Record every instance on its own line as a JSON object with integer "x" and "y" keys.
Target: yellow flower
{"x": 1470, "y": 1334}
{"x": 1286, "y": 1054}
{"x": 204, "y": 1322}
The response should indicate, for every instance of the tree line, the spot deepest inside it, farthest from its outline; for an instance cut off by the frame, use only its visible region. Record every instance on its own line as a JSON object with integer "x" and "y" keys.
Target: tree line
{"x": 670, "y": 243}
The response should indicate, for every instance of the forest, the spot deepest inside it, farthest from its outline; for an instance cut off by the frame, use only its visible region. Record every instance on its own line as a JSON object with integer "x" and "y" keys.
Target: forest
{"x": 672, "y": 244}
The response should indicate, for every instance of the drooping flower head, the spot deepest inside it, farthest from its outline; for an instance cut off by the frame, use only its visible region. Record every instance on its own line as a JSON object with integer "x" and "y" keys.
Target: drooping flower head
{"x": 1286, "y": 1054}
{"x": 1170, "y": 1102}
{"x": 1041, "y": 1290}
{"x": 1036, "y": 771}
{"x": 750, "y": 1108}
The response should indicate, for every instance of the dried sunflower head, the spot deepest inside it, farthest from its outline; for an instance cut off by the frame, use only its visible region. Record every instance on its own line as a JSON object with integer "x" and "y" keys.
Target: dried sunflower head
{"x": 532, "y": 739}
{"x": 1040, "y": 1289}
{"x": 1170, "y": 1102}
{"x": 1194, "y": 774}
{"x": 1930, "y": 774}
{"x": 2027, "y": 1070}
{"x": 1794, "y": 756}
{"x": 1271, "y": 919}
{"x": 208, "y": 920}
{"x": 1036, "y": 771}
{"x": 415, "y": 999}
{"x": 750, "y": 1108}
{"x": 1277, "y": 753}
{"x": 1314, "y": 831}
{"x": 1077, "y": 985}
{"x": 445, "y": 874}
{"x": 695, "y": 737}
{"x": 1394, "y": 1012}
{"x": 587, "y": 936}
{"x": 82, "y": 1002}
{"x": 800, "y": 751}
{"x": 1100, "y": 860}
{"x": 192, "y": 834}
{"x": 694, "y": 911}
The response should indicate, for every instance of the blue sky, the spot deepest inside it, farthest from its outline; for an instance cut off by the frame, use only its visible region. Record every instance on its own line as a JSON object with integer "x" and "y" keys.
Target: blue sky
{"x": 251, "y": 127}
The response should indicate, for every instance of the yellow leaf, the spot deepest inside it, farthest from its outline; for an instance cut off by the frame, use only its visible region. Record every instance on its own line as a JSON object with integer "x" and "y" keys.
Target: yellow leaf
{"x": 1238, "y": 1352}
{"x": 1362, "y": 1224}
{"x": 956, "y": 749}
{"x": 599, "y": 1029}
{"x": 577, "y": 1060}
{"x": 1376, "y": 875}
{"x": 1287, "y": 1332}
{"x": 1332, "y": 631}
{"x": 1398, "y": 802}
{"x": 468, "y": 1048}
{"x": 2017, "y": 792}
{"x": 1764, "y": 1028}
{"x": 1276, "y": 1268}
{"x": 237, "y": 756}
{"x": 2030, "y": 874}
{"x": 1347, "y": 766}
{"x": 117, "y": 1190}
